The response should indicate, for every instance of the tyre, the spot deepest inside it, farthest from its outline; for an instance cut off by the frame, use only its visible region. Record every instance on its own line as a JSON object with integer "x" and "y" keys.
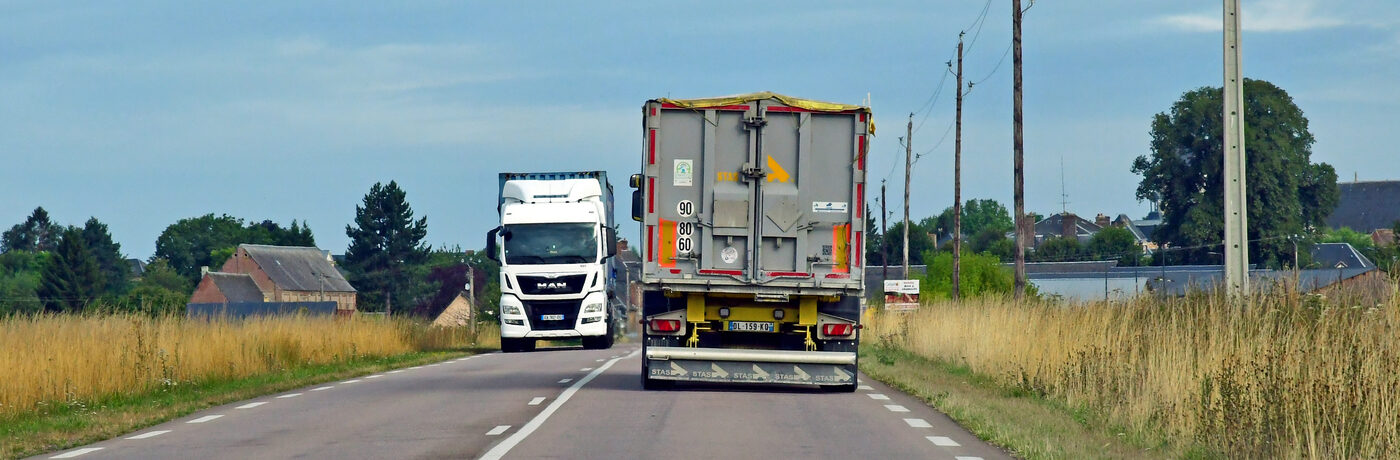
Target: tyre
{"x": 509, "y": 345}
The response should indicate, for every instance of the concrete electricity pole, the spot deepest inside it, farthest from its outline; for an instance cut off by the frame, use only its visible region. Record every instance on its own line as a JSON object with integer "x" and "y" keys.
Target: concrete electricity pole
{"x": 1236, "y": 216}
{"x": 957, "y": 177}
{"x": 1021, "y": 226}
{"x": 908, "y": 162}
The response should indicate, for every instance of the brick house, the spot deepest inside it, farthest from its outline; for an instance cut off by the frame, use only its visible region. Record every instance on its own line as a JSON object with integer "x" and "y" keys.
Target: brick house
{"x": 216, "y": 287}
{"x": 281, "y": 274}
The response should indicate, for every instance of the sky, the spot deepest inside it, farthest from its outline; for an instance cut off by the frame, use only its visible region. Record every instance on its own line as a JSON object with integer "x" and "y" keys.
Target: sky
{"x": 141, "y": 113}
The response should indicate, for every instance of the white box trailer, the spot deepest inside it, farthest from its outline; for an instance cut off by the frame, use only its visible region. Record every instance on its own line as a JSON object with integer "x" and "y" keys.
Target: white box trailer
{"x": 752, "y": 218}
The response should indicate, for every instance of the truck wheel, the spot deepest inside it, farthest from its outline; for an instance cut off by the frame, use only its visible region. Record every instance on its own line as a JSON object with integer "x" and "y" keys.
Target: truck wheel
{"x": 597, "y": 343}
{"x": 840, "y": 388}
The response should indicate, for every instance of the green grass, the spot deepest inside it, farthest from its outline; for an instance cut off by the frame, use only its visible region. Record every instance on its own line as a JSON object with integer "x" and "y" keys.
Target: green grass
{"x": 83, "y": 422}
{"x": 1020, "y": 421}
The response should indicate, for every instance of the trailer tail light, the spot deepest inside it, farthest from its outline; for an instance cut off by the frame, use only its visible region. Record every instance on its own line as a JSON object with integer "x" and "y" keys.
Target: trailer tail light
{"x": 665, "y": 325}
{"x": 838, "y": 329}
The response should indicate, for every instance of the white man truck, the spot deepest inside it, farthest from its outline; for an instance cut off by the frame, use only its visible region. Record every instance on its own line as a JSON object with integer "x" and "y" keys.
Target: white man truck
{"x": 751, "y": 213}
{"x": 554, "y": 243}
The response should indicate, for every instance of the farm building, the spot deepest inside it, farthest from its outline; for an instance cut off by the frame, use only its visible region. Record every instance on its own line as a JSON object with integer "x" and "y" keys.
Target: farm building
{"x": 280, "y": 274}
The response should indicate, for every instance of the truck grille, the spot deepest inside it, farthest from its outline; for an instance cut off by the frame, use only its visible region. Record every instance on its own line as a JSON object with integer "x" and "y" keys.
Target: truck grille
{"x": 541, "y": 285}
{"x": 535, "y": 309}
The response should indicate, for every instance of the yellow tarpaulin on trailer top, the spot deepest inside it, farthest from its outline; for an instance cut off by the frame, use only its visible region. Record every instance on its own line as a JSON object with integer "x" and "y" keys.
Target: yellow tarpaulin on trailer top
{"x": 808, "y": 104}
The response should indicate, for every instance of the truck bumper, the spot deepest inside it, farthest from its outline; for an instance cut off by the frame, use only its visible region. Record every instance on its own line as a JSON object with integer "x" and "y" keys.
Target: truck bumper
{"x": 750, "y": 366}
{"x": 599, "y": 328}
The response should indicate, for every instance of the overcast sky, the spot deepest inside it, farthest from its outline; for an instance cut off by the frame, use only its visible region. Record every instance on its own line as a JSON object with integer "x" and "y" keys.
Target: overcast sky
{"x": 142, "y": 113}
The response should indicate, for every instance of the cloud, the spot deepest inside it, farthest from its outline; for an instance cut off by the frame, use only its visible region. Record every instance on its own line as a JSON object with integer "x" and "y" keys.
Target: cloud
{"x": 1259, "y": 16}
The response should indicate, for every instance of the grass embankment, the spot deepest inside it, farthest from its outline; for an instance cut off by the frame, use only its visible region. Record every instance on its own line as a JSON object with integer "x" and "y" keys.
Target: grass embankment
{"x": 1278, "y": 376}
{"x": 77, "y": 379}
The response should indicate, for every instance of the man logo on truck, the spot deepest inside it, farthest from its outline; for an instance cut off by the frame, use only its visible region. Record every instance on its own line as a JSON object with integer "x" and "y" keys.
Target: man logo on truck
{"x": 551, "y": 286}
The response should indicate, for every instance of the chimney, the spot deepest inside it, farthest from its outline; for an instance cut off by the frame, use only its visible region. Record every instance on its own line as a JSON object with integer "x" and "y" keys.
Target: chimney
{"x": 203, "y": 270}
{"x": 1101, "y": 220}
{"x": 1068, "y": 229}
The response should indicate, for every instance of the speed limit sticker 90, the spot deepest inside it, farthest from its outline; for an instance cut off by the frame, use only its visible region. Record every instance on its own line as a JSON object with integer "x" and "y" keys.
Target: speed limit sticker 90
{"x": 685, "y": 231}
{"x": 685, "y": 208}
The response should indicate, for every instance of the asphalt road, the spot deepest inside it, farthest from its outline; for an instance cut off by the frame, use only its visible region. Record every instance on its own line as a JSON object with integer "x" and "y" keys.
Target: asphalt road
{"x": 561, "y": 403}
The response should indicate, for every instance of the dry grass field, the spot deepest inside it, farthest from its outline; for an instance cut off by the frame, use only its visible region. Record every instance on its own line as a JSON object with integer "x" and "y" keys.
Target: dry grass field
{"x": 73, "y": 359}
{"x": 1276, "y": 376}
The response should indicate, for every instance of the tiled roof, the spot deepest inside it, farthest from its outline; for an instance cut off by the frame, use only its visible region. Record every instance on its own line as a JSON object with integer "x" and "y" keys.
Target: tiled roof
{"x": 237, "y": 287}
{"x": 296, "y": 268}
{"x": 1366, "y": 206}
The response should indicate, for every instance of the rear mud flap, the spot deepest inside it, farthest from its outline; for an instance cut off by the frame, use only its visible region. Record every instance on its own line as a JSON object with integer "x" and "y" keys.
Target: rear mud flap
{"x": 752, "y": 372}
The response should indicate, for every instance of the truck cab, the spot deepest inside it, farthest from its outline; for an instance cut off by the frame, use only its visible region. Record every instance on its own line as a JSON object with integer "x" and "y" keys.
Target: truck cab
{"x": 554, "y": 242}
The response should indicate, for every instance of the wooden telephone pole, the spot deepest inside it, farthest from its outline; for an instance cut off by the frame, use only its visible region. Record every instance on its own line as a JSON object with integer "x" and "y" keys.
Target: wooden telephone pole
{"x": 908, "y": 162}
{"x": 957, "y": 178}
{"x": 1022, "y": 227}
{"x": 884, "y": 237}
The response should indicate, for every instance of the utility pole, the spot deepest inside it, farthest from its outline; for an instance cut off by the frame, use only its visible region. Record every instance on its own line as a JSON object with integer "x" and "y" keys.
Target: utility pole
{"x": 957, "y": 177}
{"x": 884, "y": 237}
{"x": 908, "y": 162}
{"x": 1236, "y": 218}
{"x": 1022, "y": 227}
{"x": 471, "y": 298}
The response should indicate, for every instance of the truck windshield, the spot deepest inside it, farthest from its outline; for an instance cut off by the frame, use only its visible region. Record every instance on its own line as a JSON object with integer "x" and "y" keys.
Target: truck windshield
{"x": 555, "y": 243}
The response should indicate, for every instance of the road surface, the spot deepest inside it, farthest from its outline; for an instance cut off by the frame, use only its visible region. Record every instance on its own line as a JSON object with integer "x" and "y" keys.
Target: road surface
{"x": 557, "y": 403}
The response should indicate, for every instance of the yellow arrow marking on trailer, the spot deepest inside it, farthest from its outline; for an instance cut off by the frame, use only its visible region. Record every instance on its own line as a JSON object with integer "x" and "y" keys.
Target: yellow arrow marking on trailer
{"x": 778, "y": 173}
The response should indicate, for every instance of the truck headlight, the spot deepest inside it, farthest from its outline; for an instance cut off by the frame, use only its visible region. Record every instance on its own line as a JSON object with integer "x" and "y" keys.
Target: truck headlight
{"x": 593, "y": 308}
{"x": 511, "y": 310}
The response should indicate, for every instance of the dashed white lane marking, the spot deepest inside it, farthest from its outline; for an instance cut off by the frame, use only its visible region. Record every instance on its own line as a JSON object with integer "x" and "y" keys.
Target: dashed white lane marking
{"x": 864, "y": 388}
{"x": 498, "y": 430}
{"x": 613, "y": 356}
{"x": 204, "y": 419}
{"x": 537, "y": 401}
{"x": 433, "y": 364}
{"x": 251, "y": 405}
{"x": 75, "y": 453}
{"x": 151, "y": 434}
{"x": 942, "y": 441}
{"x": 509, "y": 443}
{"x": 375, "y": 376}
{"x": 878, "y": 396}
{"x": 324, "y": 388}
{"x": 896, "y": 408}
{"x": 917, "y": 423}
{"x": 967, "y": 458}
{"x": 416, "y": 367}
{"x": 600, "y": 359}
{"x": 395, "y": 372}
{"x": 586, "y": 369}
{"x": 565, "y": 380}
{"x": 353, "y": 381}
{"x": 291, "y": 395}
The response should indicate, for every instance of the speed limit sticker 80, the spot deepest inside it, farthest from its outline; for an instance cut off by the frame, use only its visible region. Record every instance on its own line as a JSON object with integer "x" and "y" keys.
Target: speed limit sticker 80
{"x": 685, "y": 231}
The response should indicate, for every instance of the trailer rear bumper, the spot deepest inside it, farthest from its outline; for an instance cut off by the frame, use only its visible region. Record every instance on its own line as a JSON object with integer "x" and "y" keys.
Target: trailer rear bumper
{"x": 750, "y": 366}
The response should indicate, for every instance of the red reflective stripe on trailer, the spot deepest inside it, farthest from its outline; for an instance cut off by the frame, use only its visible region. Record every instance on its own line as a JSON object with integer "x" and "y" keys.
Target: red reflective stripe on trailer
{"x": 799, "y": 109}
{"x": 651, "y": 147}
{"x": 837, "y": 276}
{"x": 675, "y": 271}
{"x": 651, "y": 249}
{"x": 789, "y": 275}
{"x": 860, "y": 152}
{"x": 860, "y": 199}
{"x": 651, "y": 195}
{"x": 862, "y": 117}
{"x": 710, "y": 271}
{"x": 718, "y": 107}
{"x": 653, "y": 113}
{"x": 858, "y": 249}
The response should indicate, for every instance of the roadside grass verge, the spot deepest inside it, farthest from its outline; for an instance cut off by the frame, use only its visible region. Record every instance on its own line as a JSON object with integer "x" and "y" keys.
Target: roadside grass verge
{"x": 1025, "y": 424}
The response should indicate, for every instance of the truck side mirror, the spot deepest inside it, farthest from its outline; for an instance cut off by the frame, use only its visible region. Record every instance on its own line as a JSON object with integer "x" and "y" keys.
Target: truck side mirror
{"x": 610, "y": 238}
{"x": 635, "y": 181}
{"x": 491, "y": 250}
{"x": 637, "y": 205}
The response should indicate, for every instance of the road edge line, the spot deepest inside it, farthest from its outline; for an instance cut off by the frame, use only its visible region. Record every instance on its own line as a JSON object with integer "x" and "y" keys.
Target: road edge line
{"x": 500, "y": 450}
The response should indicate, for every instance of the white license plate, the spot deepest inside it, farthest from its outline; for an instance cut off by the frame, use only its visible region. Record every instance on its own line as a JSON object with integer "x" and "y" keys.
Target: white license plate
{"x": 751, "y": 326}
{"x": 551, "y": 317}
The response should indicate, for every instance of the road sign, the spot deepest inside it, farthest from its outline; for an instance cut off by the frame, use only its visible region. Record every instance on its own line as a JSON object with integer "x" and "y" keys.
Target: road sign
{"x": 901, "y": 295}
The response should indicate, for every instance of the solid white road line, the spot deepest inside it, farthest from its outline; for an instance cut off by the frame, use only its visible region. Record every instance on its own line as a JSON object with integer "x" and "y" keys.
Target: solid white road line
{"x": 75, "y": 453}
{"x": 967, "y": 458}
{"x": 942, "y": 441}
{"x": 878, "y": 396}
{"x": 537, "y": 400}
{"x": 917, "y": 423}
{"x": 416, "y": 367}
{"x": 375, "y": 376}
{"x": 500, "y": 450}
{"x": 251, "y": 405}
{"x": 353, "y": 381}
{"x": 433, "y": 364}
{"x": 864, "y": 388}
{"x": 204, "y": 419}
{"x": 324, "y": 388}
{"x": 395, "y": 372}
{"x": 498, "y": 430}
{"x": 896, "y": 408}
{"x": 565, "y": 380}
{"x": 290, "y": 395}
{"x": 149, "y": 435}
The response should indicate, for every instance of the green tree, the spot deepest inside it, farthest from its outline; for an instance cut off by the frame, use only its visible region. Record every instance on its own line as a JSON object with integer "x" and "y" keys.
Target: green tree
{"x": 72, "y": 278}
{"x": 979, "y": 275}
{"x": 1288, "y": 194}
{"x": 208, "y": 240}
{"x": 114, "y": 268}
{"x": 1058, "y": 249}
{"x": 386, "y": 247}
{"x": 985, "y": 214}
{"x": 19, "y": 281}
{"x": 36, "y": 234}
{"x": 919, "y": 242}
{"x": 1115, "y": 243}
{"x": 160, "y": 274}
